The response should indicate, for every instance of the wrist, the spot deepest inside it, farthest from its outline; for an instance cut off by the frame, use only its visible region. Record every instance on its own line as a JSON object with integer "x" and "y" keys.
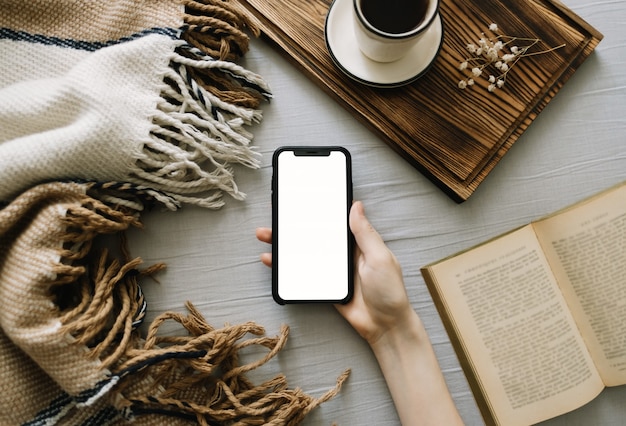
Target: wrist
{"x": 407, "y": 333}
{"x": 413, "y": 375}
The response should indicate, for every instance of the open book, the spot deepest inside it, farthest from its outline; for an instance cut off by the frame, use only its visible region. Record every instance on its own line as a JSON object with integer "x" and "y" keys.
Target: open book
{"x": 537, "y": 316}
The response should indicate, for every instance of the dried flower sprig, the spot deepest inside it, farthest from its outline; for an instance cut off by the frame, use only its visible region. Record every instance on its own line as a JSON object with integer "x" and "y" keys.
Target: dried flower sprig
{"x": 495, "y": 56}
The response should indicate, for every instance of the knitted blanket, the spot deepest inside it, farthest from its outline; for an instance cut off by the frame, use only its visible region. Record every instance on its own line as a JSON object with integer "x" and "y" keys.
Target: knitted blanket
{"x": 108, "y": 108}
{"x": 130, "y": 91}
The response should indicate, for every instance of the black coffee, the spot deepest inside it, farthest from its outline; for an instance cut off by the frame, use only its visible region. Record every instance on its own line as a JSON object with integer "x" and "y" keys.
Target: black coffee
{"x": 394, "y": 16}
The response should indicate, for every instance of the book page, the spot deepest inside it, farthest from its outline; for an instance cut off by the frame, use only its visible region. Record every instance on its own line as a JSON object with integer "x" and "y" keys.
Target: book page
{"x": 515, "y": 328}
{"x": 588, "y": 245}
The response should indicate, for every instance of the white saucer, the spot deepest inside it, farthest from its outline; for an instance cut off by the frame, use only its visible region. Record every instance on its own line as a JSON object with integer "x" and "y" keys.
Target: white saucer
{"x": 341, "y": 44}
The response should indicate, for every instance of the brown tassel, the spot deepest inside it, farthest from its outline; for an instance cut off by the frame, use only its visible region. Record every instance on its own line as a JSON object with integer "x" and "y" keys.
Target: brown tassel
{"x": 211, "y": 386}
{"x": 217, "y": 28}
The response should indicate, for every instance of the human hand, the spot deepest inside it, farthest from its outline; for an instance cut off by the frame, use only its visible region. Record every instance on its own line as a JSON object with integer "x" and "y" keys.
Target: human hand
{"x": 380, "y": 302}
{"x": 381, "y": 313}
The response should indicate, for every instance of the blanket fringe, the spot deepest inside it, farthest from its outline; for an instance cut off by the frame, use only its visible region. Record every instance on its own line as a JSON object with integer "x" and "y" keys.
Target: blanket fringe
{"x": 99, "y": 296}
{"x": 200, "y": 377}
{"x": 217, "y": 27}
{"x": 197, "y": 375}
{"x": 207, "y": 100}
{"x": 196, "y": 135}
{"x": 130, "y": 196}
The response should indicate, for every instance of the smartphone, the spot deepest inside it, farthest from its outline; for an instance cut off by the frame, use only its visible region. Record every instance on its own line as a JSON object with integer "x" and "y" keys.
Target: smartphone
{"x": 312, "y": 243}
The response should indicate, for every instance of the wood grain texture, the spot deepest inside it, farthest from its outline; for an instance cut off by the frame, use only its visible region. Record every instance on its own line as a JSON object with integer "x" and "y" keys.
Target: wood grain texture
{"x": 454, "y": 137}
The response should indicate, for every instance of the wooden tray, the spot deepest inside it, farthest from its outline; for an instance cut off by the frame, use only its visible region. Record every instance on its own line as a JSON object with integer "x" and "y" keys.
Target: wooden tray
{"x": 454, "y": 137}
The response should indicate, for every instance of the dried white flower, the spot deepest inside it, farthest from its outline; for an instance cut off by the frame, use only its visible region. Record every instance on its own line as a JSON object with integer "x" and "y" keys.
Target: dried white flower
{"x": 491, "y": 52}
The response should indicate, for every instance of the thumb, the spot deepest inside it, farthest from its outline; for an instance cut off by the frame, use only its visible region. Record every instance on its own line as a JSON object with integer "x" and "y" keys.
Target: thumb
{"x": 365, "y": 235}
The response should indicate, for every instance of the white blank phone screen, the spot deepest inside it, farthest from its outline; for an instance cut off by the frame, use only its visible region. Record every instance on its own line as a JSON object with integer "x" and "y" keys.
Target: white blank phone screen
{"x": 313, "y": 228}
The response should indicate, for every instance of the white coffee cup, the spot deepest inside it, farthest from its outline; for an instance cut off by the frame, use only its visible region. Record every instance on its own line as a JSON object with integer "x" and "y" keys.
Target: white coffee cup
{"x": 386, "y": 30}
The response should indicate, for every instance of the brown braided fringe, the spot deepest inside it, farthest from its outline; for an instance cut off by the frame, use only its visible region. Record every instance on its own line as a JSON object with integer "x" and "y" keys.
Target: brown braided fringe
{"x": 218, "y": 28}
{"x": 212, "y": 388}
{"x": 99, "y": 358}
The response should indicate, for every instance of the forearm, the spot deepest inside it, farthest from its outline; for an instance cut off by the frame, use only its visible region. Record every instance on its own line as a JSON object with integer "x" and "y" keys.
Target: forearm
{"x": 413, "y": 375}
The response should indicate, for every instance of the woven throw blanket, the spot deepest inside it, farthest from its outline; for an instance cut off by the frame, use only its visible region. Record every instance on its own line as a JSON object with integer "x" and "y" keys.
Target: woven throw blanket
{"x": 106, "y": 109}
{"x": 70, "y": 348}
{"x": 139, "y": 91}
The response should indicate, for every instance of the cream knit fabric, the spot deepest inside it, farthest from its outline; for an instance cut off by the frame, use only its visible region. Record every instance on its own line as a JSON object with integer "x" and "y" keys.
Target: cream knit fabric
{"x": 106, "y": 92}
